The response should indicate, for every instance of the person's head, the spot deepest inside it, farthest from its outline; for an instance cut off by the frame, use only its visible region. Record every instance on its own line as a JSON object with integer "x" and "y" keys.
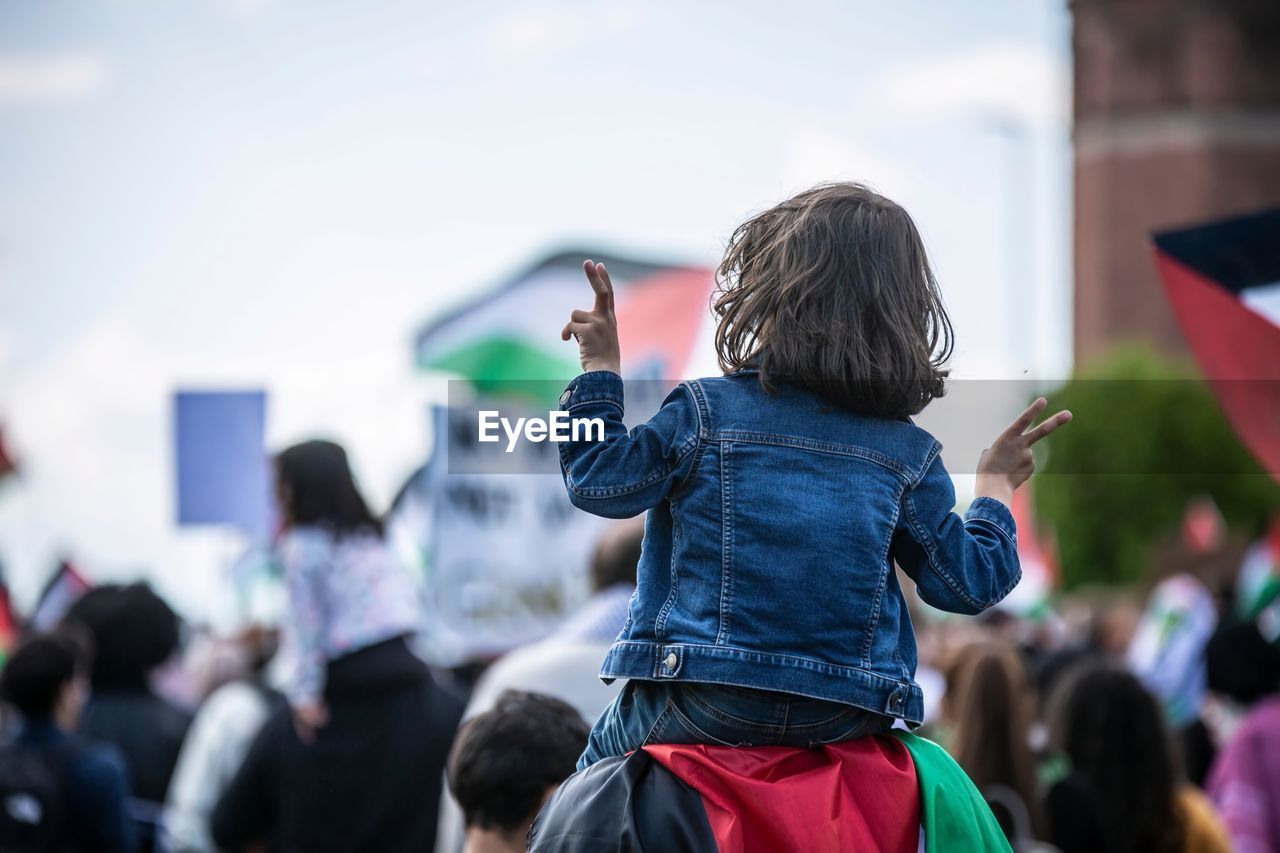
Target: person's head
{"x": 507, "y": 761}
{"x": 1240, "y": 665}
{"x": 46, "y": 679}
{"x": 133, "y": 631}
{"x": 315, "y": 487}
{"x": 832, "y": 290}
{"x": 617, "y": 554}
{"x": 1113, "y": 732}
{"x": 989, "y": 703}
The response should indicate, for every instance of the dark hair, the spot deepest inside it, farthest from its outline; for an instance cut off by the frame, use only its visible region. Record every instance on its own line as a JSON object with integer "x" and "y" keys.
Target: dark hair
{"x": 989, "y": 701}
{"x": 616, "y": 557}
{"x": 40, "y": 668}
{"x": 1114, "y": 732}
{"x": 314, "y": 486}
{"x": 832, "y": 290}
{"x": 1241, "y": 664}
{"x": 133, "y": 631}
{"x": 506, "y": 759}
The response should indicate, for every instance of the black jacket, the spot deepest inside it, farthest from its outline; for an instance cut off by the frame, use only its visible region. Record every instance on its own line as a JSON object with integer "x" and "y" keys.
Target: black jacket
{"x": 147, "y": 729}
{"x": 94, "y": 787}
{"x": 371, "y": 778}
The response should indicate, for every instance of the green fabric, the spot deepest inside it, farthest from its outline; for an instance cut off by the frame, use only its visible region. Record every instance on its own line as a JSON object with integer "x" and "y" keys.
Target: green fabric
{"x": 491, "y": 362}
{"x": 954, "y": 815}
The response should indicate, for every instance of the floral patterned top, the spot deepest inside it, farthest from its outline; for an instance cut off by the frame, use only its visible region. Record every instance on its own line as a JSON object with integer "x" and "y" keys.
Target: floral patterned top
{"x": 344, "y": 594}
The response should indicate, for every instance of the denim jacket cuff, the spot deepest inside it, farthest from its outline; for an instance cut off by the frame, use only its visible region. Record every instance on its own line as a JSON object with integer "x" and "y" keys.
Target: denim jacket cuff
{"x": 994, "y": 513}
{"x": 598, "y": 386}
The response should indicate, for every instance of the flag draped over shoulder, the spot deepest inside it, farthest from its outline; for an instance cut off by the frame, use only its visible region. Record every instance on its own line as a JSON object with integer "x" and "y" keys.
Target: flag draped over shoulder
{"x": 1223, "y": 281}
{"x": 513, "y": 332}
{"x": 897, "y": 793}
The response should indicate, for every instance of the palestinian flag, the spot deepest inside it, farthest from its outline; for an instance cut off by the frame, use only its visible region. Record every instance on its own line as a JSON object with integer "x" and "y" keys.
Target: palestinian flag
{"x": 63, "y": 590}
{"x": 1223, "y": 281}
{"x": 895, "y": 793}
{"x": 1258, "y": 586}
{"x": 9, "y": 632}
{"x": 513, "y": 332}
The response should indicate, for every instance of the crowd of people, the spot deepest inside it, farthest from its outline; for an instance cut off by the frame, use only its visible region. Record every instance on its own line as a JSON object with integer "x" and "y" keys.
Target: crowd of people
{"x": 794, "y": 577}
{"x": 1066, "y": 736}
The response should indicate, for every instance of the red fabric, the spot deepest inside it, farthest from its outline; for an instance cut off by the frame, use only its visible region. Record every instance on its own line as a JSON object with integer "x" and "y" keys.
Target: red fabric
{"x": 857, "y": 795}
{"x": 1032, "y": 550}
{"x": 1234, "y": 345}
{"x": 659, "y": 316}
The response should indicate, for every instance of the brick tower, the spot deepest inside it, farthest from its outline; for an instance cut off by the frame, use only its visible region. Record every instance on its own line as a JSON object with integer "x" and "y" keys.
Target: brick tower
{"x": 1177, "y": 121}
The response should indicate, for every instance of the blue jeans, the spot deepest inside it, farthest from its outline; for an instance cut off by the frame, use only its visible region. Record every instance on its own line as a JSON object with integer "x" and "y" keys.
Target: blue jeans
{"x": 648, "y": 712}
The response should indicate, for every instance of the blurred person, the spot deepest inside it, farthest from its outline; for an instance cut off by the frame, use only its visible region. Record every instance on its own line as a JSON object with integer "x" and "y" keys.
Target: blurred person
{"x": 1124, "y": 790}
{"x": 989, "y": 705}
{"x": 564, "y": 664}
{"x": 208, "y": 662}
{"x": 1112, "y": 628}
{"x": 1167, "y": 649}
{"x": 798, "y": 470}
{"x": 58, "y": 791}
{"x": 1243, "y": 670}
{"x": 346, "y": 593}
{"x": 133, "y": 632}
{"x": 507, "y": 762}
{"x": 1242, "y": 718}
{"x": 369, "y": 779}
{"x": 215, "y": 747}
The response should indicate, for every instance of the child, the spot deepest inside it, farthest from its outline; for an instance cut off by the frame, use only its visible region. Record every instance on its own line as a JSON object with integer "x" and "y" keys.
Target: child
{"x": 781, "y": 494}
{"x": 346, "y": 593}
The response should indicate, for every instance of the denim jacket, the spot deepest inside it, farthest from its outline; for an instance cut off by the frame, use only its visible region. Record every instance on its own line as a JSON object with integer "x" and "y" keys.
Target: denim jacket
{"x": 774, "y": 524}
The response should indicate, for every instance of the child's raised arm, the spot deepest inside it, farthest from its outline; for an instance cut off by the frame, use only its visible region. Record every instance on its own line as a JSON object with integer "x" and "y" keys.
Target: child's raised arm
{"x": 967, "y": 565}
{"x": 622, "y": 474}
{"x": 1008, "y": 462}
{"x": 596, "y": 330}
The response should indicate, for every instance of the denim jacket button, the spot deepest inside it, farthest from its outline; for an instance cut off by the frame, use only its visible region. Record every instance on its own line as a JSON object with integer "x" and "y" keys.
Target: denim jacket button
{"x": 565, "y": 397}
{"x": 671, "y": 661}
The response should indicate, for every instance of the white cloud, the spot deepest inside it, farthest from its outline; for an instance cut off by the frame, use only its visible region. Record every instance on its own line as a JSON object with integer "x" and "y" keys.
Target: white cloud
{"x": 993, "y": 82}
{"x": 815, "y": 155}
{"x": 245, "y": 10}
{"x": 7, "y": 348}
{"x": 87, "y": 429}
{"x": 530, "y": 32}
{"x": 27, "y": 79}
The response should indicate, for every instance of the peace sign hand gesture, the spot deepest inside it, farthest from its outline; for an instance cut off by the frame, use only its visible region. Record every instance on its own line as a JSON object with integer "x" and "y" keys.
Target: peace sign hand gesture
{"x": 1008, "y": 462}
{"x": 596, "y": 330}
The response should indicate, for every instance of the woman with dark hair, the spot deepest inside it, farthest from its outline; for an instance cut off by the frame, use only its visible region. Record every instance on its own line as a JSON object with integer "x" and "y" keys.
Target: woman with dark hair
{"x": 357, "y": 762}
{"x": 346, "y": 593}
{"x": 1125, "y": 791}
{"x": 133, "y": 631}
{"x": 989, "y": 705}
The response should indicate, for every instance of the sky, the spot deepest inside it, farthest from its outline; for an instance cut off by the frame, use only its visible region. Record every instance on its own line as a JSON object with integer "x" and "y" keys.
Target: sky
{"x": 276, "y": 194}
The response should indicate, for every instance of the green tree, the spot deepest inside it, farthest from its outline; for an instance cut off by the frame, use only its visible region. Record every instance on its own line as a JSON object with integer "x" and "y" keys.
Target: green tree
{"x": 1148, "y": 437}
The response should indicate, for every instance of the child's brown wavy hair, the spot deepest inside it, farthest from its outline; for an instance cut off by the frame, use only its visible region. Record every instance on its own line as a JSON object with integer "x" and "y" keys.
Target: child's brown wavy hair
{"x": 832, "y": 290}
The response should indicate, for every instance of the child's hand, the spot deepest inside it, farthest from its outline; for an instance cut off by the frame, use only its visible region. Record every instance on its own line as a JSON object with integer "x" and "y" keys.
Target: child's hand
{"x": 1008, "y": 462}
{"x": 308, "y": 718}
{"x": 596, "y": 330}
